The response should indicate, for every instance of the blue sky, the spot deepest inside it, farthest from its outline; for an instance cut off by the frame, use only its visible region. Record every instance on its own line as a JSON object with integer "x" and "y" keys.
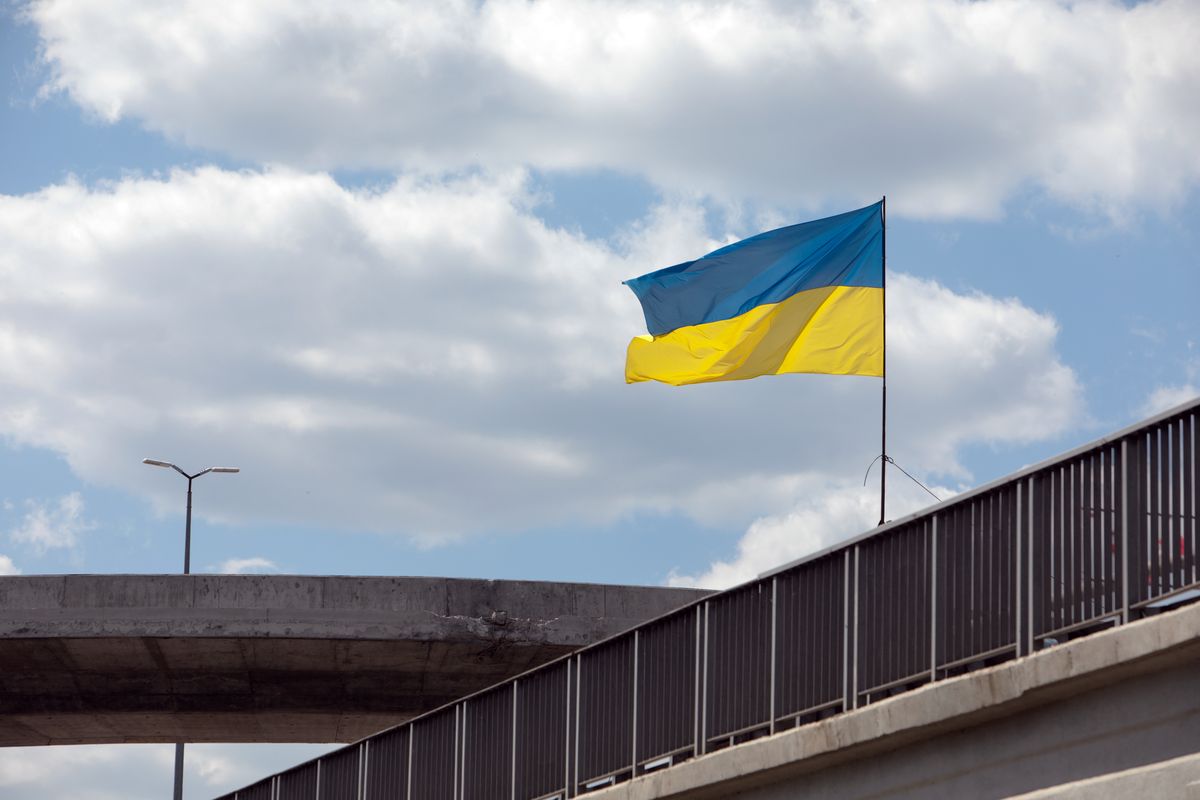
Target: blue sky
{"x": 372, "y": 257}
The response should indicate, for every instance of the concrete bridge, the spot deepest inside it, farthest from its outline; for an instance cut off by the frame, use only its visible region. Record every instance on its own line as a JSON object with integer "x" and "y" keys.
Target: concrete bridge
{"x": 251, "y": 658}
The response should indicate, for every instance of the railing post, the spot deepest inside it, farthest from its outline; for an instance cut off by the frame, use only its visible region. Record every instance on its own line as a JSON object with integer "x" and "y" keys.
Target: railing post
{"x": 460, "y": 710}
{"x": 567, "y": 736}
{"x": 1126, "y": 518}
{"x": 704, "y": 688}
{"x": 1030, "y": 534}
{"x": 846, "y": 702}
{"x": 933, "y": 596}
{"x": 513, "y": 766}
{"x": 1190, "y": 510}
{"x": 854, "y": 632}
{"x": 364, "y": 756}
{"x": 774, "y": 626}
{"x": 696, "y": 712}
{"x": 412, "y": 737}
{"x": 1018, "y": 571}
{"x": 633, "y": 717}
{"x": 578, "y": 692}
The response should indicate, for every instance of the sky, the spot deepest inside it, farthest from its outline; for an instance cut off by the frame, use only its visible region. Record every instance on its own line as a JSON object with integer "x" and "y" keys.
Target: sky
{"x": 371, "y": 255}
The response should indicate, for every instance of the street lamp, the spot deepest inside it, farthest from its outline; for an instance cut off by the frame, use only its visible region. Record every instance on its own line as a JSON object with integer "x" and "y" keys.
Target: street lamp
{"x": 187, "y": 568}
{"x": 187, "y": 543}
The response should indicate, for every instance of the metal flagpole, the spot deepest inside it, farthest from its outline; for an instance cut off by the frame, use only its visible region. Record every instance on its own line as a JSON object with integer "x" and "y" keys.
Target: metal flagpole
{"x": 883, "y": 404}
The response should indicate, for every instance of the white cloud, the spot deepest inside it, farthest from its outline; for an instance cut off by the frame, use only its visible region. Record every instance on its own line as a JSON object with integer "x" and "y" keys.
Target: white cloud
{"x": 825, "y": 512}
{"x": 429, "y": 358}
{"x": 53, "y": 526}
{"x": 7, "y": 567}
{"x": 139, "y": 771}
{"x": 1170, "y": 395}
{"x": 1165, "y": 397}
{"x": 970, "y": 367}
{"x": 949, "y": 107}
{"x": 242, "y": 566}
{"x": 90, "y": 771}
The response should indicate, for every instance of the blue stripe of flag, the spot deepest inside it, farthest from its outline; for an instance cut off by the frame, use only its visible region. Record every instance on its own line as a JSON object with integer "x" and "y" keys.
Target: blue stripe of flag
{"x": 844, "y": 250}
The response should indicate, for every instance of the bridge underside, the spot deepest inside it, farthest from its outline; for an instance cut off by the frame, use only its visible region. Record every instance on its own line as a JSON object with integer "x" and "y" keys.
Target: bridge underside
{"x": 142, "y": 689}
{"x": 94, "y": 659}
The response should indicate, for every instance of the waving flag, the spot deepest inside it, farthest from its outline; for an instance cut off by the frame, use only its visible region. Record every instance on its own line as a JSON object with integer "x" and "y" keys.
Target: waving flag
{"x": 805, "y": 298}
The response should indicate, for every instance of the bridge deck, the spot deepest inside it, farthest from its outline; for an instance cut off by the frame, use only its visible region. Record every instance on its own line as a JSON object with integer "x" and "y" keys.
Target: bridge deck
{"x": 207, "y": 658}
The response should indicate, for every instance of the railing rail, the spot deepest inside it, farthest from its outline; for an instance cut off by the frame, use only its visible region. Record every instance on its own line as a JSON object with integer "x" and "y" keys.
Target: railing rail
{"x": 1090, "y": 539}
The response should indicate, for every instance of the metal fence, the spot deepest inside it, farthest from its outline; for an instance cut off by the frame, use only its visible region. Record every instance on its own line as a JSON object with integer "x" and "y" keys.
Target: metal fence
{"x": 1091, "y": 539}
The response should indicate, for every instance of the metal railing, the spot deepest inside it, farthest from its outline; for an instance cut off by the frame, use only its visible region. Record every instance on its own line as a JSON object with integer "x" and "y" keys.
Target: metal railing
{"x": 1084, "y": 541}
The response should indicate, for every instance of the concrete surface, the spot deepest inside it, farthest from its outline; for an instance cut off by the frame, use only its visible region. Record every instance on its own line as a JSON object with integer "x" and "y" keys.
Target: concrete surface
{"x": 1116, "y": 714}
{"x": 277, "y": 658}
{"x": 1166, "y": 780}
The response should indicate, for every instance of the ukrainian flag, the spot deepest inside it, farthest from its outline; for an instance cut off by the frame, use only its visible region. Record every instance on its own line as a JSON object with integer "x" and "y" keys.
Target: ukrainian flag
{"x": 805, "y": 298}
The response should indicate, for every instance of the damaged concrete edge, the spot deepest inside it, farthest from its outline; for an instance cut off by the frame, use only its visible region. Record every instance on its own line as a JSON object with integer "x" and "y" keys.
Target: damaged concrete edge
{"x": 324, "y": 606}
{"x": 1066, "y": 670}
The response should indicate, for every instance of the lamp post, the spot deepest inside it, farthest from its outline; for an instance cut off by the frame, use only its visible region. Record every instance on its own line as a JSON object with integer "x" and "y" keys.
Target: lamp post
{"x": 187, "y": 568}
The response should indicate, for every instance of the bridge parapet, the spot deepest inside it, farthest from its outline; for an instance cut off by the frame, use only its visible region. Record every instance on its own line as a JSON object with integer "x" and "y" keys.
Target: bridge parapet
{"x": 1090, "y": 540}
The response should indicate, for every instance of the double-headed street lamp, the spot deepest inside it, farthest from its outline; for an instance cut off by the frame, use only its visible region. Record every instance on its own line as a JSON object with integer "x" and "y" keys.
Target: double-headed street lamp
{"x": 187, "y": 568}
{"x": 187, "y": 542}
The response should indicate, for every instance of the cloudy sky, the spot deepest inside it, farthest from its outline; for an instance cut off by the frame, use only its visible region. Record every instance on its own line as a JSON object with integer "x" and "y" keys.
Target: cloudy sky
{"x": 371, "y": 254}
